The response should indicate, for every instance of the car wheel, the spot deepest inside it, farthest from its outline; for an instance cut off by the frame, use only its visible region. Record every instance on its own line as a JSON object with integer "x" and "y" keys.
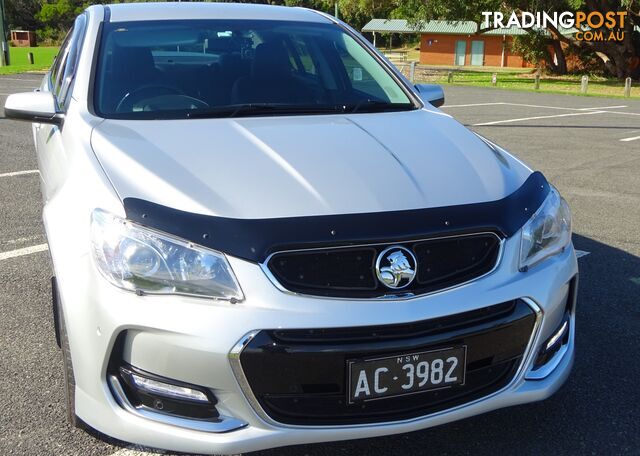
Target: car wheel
{"x": 63, "y": 342}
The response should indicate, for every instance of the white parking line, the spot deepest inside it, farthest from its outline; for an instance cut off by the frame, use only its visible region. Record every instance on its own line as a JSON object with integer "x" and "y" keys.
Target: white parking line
{"x": 624, "y": 113}
{"x": 19, "y": 173}
{"x": 603, "y": 107}
{"x": 495, "y": 122}
{"x": 563, "y": 107}
{"x": 526, "y": 105}
{"x": 24, "y": 251}
{"x": 633, "y": 138}
{"x": 473, "y": 104}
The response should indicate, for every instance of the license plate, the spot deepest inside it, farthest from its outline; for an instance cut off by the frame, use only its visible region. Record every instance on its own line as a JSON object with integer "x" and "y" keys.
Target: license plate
{"x": 410, "y": 373}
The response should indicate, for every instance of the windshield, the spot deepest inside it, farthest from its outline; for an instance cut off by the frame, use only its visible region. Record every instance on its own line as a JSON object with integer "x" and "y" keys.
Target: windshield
{"x": 227, "y": 68}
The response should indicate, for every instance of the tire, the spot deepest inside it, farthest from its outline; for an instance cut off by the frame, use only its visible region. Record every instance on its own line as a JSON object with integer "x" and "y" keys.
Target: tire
{"x": 69, "y": 379}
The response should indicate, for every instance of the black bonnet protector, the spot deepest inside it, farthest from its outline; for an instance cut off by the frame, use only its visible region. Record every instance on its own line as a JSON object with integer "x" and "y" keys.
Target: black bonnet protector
{"x": 256, "y": 239}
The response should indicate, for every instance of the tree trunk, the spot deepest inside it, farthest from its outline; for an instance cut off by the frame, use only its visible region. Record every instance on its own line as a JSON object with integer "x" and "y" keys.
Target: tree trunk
{"x": 560, "y": 61}
{"x": 620, "y": 59}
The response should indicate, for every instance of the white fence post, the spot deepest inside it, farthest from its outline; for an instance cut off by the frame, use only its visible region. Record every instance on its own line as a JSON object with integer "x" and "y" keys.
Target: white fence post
{"x": 584, "y": 85}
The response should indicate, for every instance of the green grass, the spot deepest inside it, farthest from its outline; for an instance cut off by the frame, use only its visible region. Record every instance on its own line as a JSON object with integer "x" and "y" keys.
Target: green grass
{"x": 518, "y": 79}
{"x": 524, "y": 80}
{"x": 42, "y": 56}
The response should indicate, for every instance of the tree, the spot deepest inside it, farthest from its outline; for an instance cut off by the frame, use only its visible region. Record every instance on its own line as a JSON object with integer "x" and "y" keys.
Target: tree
{"x": 21, "y": 14}
{"x": 621, "y": 59}
{"x": 534, "y": 48}
{"x": 59, "y": 14}
{"x": 56, "y": 17}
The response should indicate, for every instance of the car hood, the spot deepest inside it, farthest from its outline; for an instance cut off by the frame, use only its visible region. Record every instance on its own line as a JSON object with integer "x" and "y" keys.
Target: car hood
{"x": 265, "y": 167}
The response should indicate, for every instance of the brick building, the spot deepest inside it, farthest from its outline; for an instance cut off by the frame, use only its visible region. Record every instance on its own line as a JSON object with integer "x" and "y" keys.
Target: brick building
{"x": 456, "y": 43}
{"x": 23, "y": 38}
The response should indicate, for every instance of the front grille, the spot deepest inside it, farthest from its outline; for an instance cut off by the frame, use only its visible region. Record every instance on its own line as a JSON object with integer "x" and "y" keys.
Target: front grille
{"x": 349, "y": 272}
{"x": 299, "y": 376}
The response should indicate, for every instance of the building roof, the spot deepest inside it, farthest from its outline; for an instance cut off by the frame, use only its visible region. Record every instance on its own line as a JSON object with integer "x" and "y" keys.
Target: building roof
{"x": 441, "y": 27}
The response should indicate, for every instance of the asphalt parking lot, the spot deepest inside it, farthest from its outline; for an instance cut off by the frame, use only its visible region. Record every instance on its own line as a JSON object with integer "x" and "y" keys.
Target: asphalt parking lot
{"x": 588, "y": 147}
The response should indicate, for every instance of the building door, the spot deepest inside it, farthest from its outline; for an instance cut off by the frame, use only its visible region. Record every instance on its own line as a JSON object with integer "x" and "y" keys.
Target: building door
{"x": 461, "y": 52}
{"x": 477, "y": 53}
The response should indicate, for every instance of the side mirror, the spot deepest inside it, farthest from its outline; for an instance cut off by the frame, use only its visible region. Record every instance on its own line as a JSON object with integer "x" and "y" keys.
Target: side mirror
{"x": 37, "y": 107}
{"x": 431, "y": 93}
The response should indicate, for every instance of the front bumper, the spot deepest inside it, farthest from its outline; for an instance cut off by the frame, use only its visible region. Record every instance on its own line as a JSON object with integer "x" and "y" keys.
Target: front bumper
{"x": 191, "y": 340}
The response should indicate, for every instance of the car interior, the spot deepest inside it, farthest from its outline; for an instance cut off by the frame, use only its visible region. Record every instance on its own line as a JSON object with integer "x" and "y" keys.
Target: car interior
{"x": 203, "y": 68}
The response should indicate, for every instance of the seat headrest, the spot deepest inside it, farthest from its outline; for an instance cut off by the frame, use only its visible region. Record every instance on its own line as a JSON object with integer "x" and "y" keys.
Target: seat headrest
{"x": 271, "y": 60}
{"x": 133, "y": 63}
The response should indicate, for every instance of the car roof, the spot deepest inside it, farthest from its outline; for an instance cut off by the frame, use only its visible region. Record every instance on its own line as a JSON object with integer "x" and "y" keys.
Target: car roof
{"x": 123, "y": 12}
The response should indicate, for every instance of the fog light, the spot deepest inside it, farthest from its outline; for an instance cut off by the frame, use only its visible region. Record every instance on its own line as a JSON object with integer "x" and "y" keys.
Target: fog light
{"x": 147, "y": 391}
{"x": 553, "y": 344}
{"x": 166, "y": 389}
{"x": 557, "y": 336}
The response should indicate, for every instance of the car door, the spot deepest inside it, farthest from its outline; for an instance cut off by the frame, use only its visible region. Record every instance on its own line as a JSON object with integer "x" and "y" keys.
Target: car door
{"x": 49, "y": 147}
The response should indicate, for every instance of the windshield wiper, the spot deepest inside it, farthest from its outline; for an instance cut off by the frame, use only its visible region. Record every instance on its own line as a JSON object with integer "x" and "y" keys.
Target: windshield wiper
{"x": 249, "y": 109}
{"x": 261, "y": 108}
{"x": 369, "y": 105}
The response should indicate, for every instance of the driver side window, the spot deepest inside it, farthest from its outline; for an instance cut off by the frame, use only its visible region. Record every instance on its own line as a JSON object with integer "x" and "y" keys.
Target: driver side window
{"x": 64, "y": 67}
{"x": 73, "y": 55}
{"x": 58, "y": 65}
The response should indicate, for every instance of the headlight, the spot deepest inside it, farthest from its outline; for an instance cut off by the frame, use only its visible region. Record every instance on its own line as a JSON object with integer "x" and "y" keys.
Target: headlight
{"x": 547, "y": 232}
{"x": 146, "y": 261}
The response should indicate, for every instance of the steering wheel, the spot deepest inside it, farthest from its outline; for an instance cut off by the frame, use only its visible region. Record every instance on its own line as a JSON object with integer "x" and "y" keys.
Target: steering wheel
{"x": 128, "y": 100}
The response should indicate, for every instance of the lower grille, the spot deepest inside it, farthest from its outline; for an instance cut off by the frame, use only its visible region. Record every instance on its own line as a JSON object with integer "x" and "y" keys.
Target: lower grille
{"x": 299, "y": 376}
{"x": 349, "y": 272}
